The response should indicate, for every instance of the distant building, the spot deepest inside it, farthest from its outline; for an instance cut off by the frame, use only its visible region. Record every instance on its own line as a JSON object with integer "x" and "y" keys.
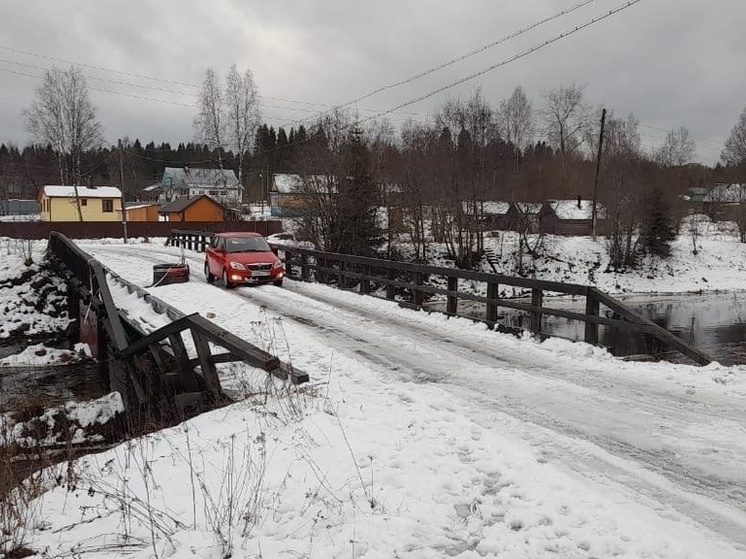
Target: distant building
{"x": 523, "y": 217}
{"x": 293, "y": 196}
{"x": 97, "y": 203}
{"x": 490, "y": 214}
{"x": 194, "y": 208}
{"x": 570, "y": 217}
{"x": 142, "y": 211}
{"x": 177, "y": 182}
{"x": 19, "y": 207}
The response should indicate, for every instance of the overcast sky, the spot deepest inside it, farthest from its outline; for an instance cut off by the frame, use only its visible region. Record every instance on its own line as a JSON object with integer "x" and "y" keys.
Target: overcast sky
{"x": 670, "y": 62}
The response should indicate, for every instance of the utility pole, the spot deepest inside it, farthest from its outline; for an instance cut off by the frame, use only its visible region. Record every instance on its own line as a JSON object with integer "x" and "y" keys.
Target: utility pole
{"x": 594, "y": 214}
{"x": 121, "y": 186}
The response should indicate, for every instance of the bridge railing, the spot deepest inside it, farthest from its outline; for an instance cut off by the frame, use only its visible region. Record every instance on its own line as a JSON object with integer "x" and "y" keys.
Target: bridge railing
{"x": 142, "y": 360}
{"x": 411, "y": 284}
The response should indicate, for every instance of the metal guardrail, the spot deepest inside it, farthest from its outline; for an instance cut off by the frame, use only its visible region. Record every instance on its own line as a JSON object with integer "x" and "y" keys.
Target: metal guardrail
{"x": 165, "y": 346}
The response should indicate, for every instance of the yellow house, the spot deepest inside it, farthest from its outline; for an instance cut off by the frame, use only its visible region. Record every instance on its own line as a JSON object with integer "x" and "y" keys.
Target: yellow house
{"x": 97, "y": 203}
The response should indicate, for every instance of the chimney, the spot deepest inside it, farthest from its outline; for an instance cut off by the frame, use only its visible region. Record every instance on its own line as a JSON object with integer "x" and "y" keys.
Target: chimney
{"x": 580, "y": 205}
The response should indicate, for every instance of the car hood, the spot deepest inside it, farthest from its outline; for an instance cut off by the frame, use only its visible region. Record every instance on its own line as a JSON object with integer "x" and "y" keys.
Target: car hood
{"x": 252, "y": 257}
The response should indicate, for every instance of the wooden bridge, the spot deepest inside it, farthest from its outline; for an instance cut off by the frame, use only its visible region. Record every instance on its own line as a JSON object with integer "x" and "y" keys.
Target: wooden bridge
{"x": 406, "y": 283}
{"x": 153, "y": 370}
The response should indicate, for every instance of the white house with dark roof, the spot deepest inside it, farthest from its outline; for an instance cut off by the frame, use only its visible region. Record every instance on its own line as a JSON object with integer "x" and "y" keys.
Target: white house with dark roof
{"x": 177, "y": 182}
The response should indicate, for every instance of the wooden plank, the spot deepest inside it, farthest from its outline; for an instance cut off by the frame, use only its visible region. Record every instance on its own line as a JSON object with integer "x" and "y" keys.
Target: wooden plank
{"x": 493, "y": 292}
{"x": 209, "y": 372}
{"x": 452, "y": 297}
{"x": 537, "y": 295}
{"x": 248, "y": 352}
{"x": 591, "y": 309}
{"x": 661, "y": 333}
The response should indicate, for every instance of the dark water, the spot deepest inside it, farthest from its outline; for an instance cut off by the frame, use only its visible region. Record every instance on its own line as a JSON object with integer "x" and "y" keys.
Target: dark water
{"x": 714, "y": 323}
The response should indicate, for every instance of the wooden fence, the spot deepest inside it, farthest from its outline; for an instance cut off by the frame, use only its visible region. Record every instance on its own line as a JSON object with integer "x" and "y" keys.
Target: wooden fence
{"x": 411, "y": 284}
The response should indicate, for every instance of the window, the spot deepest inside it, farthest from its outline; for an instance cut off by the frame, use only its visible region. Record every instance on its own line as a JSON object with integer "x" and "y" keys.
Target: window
{"x": 107, "y": 206}
{"x": 84, "y": 201}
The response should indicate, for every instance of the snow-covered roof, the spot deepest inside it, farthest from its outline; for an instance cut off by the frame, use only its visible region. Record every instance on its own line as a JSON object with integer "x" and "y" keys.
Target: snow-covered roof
{"x": 186, "y": 177}
{"x": 486, "y": 207}
{"x": 576, "y": 209}
{"x": 54, "y": 191}
{"x": 528, "y": 207}
{"x": 286, "y": 183}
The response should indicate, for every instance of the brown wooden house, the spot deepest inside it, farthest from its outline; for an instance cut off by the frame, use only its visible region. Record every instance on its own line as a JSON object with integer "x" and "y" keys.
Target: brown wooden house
{"x": 144, "y": 211}
{"x": 522, "y": 217}
{"x": 194, "y": 208}
{"x": 571, "y": 218}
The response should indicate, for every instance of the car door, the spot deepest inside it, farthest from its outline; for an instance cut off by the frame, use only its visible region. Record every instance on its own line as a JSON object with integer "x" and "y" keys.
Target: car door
{"x": 215, "y": 255}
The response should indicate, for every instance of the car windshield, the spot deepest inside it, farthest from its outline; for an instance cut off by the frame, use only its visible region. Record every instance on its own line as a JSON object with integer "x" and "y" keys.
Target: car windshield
{"x": 246, "y": 244}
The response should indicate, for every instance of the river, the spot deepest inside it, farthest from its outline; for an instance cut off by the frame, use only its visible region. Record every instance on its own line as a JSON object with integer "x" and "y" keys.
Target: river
{"x": 714, "y": 323}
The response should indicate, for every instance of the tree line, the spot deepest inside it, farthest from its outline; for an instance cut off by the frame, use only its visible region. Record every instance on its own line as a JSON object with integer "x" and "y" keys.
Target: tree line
{"x": 438, "y": 170}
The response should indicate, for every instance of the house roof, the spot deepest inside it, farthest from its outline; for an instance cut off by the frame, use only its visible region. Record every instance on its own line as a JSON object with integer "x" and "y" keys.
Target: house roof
{"x": 530, "y": 208}
{"x": 180, "y": 204}
{"x": 186, "y": 177}
{"x": 137, "y": 205}
{"x": 576, "y": 209}
{"x": 53, "y": 191}
{"x": 286, "y": 183}
{"x": 486, "y": 207}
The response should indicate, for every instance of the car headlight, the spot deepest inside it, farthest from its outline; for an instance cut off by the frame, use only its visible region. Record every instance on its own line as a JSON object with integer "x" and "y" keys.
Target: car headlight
{"x": 278, "y": 264}
{"x": 237, "y": 266}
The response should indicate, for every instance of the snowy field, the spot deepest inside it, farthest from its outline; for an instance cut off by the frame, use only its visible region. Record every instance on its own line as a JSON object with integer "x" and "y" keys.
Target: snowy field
{"x": 418, "y": 437}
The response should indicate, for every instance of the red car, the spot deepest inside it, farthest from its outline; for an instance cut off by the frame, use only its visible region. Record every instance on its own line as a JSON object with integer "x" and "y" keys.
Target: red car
{"x": 242, "y": 259}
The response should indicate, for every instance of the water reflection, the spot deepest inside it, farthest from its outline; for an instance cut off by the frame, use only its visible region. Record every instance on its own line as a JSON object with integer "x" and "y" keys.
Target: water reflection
{"x": 714, "y": 323}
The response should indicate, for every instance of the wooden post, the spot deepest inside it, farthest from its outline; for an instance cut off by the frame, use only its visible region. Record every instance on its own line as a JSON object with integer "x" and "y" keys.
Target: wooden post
{"x": 289, "y": 264}
{"x": 418, "y": 294}
{"x": 391, "y": 289}
{"x": 591, "y": 309}
{"x": 493, "y": 292}
{"x": 365, "y": 282}
{"x": 537, "y": 295}
{"x": 340, "y": 274}
{"x": 209, "y": 372}
{"x": 304, "y": 271}
{"x": 452, "y": 300}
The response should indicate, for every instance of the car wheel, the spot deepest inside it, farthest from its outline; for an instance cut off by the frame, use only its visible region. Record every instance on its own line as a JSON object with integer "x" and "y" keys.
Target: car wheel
{"x": 226, "y": 282}
{"x": 208, "y": 276}
{"x": 278, "y": 283}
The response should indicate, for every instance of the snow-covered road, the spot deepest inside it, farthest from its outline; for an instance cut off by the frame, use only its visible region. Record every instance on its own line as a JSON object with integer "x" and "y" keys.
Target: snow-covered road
{"x": 669, "y": 437}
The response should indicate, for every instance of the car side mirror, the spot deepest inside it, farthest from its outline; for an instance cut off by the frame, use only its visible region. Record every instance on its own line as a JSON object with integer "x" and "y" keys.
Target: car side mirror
{"x": 275, "y": 249}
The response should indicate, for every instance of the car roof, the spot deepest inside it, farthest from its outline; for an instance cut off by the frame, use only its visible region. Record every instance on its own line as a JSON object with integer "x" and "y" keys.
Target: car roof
{"x": 238, "y": 234}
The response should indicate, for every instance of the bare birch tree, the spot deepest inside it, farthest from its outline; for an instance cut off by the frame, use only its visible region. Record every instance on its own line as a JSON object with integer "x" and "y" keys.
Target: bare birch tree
{"x": 734, "y": 152}
{"x": 210, "y": 122}
{"x": 63, "y": 116}
{"x": 241, "y": 112}
{"x": 677, "y": 149}
{"x": 567, "y": 119}
{"x": 515, "y": 119}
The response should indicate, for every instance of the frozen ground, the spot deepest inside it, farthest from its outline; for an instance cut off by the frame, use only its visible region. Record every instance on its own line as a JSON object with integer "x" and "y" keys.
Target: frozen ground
{"x": 419, "y": 437}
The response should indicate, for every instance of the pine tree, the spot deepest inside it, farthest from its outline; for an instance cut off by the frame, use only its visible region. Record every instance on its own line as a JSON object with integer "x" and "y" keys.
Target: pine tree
{"x": 353, "y": 228}
{"x": 657, "y": 230}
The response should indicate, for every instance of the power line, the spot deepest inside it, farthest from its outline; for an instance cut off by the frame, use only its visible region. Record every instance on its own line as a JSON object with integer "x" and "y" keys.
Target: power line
{"x": 504, "y": 62}
{"x": 469, "y": 54}
{"x": 131, "y": 74}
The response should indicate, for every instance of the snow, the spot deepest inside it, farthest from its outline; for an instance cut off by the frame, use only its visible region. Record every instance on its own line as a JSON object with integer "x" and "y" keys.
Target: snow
{"x": 574, "y": 209}
{"x": 39, "y": 355}
{"x": 54, "y": 191}
{"x": 420, "y": 436}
